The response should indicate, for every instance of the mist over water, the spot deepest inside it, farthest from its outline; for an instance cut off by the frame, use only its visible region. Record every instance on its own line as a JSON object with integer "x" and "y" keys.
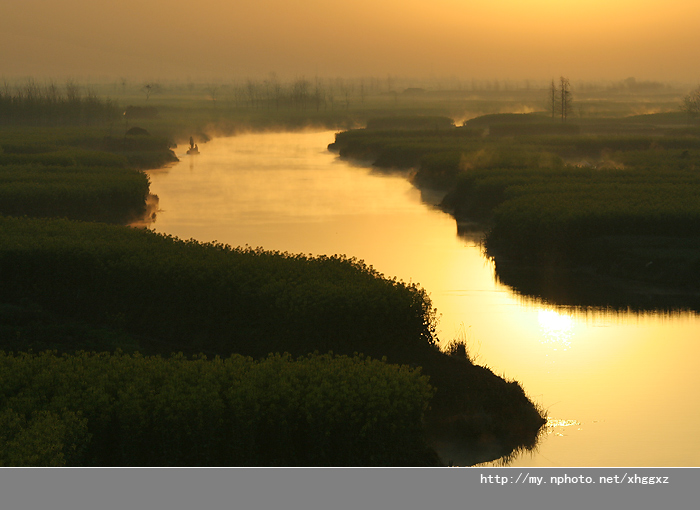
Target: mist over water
{"x": 619, "y": 387}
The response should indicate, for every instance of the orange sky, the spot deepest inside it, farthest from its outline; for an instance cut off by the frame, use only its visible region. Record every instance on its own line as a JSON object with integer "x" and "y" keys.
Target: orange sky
{"x": 505, "y": 39}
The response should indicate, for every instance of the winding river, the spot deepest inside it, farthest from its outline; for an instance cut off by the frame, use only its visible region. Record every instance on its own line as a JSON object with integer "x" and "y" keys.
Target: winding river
{"x": 620, "y": 389}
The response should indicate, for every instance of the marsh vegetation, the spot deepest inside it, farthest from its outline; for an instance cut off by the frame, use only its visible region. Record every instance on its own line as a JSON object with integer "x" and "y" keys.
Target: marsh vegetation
{"x": 70, "y": 286}
{"x": 614, "y": 199}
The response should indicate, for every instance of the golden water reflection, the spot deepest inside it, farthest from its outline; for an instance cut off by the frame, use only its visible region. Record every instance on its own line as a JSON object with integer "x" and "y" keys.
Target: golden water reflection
{"x": 557, "y": 329}
{"x": 628, "y": 380}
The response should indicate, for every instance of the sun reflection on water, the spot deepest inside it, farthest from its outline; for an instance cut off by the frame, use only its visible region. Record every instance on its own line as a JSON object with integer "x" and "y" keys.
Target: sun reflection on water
{"x": 557, "y": 427}
{"x": 557, "y": 329}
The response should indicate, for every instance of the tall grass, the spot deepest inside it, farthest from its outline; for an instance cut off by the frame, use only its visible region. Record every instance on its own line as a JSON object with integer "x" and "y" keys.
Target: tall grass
{"x": 50, "y": 104}
{"x": 113, "y": 195}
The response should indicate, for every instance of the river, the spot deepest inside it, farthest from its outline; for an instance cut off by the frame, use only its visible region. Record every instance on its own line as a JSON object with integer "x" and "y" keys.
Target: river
{"x": 620, "y": 389}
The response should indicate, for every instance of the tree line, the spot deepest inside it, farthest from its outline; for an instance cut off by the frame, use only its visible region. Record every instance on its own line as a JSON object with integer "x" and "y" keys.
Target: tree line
{"x": 50, "y": 104}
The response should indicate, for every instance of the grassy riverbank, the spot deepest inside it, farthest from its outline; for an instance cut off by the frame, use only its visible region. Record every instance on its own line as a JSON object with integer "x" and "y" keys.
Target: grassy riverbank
{"x": 78, "y": 173}
{"x": 620, "y": 207}
{"x": 70, "y": 286}
{"x": 79, "y": 284}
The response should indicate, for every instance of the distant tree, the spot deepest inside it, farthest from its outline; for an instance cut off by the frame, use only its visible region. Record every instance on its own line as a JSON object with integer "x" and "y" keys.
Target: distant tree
{"x": 213, "y": 91}
{"x": 147, "y": 89}
{"x": 630, "y": 83}
{"x": 52, "y": 93}
{"x": 553, "y": 98}
{"x": 331, "y": 94}
{"x": 690, "y": 104}
{"x": 276, "y": 88}
{"x": 72, "y": 91}
{"x": 396, "y": 97}
{"x": 343, "y": 88}
{"x": 151, "y": 88}
{"x": 566, "y": 97}
{"x": 252, "y": 91}
{"x": 319, "y": 94}
{"x": 300, "y": 92}
{"x": 347, "y": 90}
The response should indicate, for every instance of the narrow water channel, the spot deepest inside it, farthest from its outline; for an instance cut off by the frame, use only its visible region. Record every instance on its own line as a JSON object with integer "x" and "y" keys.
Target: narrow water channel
{"x": 620, "y": 389}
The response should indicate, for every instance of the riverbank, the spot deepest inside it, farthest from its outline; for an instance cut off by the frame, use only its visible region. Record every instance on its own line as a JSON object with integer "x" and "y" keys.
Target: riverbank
{"x": 79, "y": 173}
{"x": 619, "y": 206}
{"x": 106, "y": 269}
{"x": 638, "y": 273}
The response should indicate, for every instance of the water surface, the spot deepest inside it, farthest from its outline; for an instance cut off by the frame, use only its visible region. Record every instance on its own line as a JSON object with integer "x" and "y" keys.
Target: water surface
{"x": 620, "y": 388}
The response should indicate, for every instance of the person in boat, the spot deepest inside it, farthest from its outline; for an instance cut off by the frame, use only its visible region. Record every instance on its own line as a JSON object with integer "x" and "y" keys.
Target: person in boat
{"x": 191, "y": 143}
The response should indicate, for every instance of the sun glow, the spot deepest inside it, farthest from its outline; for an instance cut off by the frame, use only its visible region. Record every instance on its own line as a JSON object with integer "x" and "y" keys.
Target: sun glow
{"x": 585, "y": 39}
{"x": 556, "y": 328}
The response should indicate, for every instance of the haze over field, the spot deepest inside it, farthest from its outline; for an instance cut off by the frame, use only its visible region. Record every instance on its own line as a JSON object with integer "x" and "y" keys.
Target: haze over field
{"x": 217, "y": 39}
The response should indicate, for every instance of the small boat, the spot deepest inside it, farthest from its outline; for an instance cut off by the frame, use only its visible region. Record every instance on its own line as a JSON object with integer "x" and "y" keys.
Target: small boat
{"x": 193, "y": 147}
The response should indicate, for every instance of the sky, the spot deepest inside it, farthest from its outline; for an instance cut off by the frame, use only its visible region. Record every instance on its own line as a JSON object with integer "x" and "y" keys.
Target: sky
{"x": 467, "y": 39}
